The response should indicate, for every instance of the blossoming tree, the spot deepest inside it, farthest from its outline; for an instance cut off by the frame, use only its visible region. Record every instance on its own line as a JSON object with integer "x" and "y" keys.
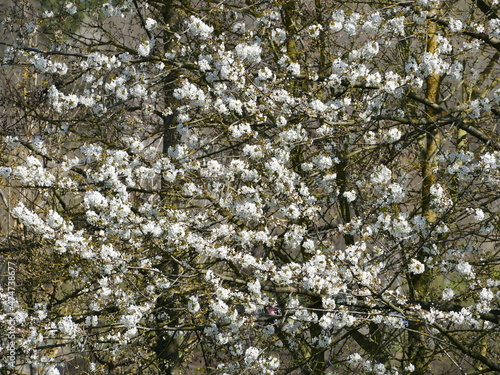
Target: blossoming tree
{"x": 236, "y": 187}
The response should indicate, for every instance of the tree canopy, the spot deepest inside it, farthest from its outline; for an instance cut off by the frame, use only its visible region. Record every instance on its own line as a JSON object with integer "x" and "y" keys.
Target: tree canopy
{"x": 240, "y": 187}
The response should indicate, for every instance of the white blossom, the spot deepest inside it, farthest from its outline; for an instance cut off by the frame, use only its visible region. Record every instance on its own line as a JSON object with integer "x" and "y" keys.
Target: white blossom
{"x": 350, "y": 196}
{"x": 294, "y": 69}
{"x": 465, "y": 268}
{"x": 68, "y": 327}
{"x": 448, "y": 294}
{"x": 486, "y": 294}
{"x": 144, "y": 48}
{"x": 416, "y": 267}
{"x": 251, "y": 355}
{"x": 71, "y": 8}
{"x": 192, "y": 92}
{"x": 52, "y": 370}
{"x": 314, "y": 30}
{"x": 198, "y": 28}
{"x": 150, "y": 23}
{"x": 381, "y": 175}
{"x": 251, "y": 52}
{"x": 392, "y": 135}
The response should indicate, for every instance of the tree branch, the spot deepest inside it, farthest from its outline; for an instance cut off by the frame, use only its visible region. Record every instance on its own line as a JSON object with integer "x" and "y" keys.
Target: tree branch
{"x": 494, "y": 366}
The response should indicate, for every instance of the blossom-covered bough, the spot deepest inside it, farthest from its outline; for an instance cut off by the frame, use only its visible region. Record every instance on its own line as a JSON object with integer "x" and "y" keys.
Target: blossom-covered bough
{"x": 239, "y": 188}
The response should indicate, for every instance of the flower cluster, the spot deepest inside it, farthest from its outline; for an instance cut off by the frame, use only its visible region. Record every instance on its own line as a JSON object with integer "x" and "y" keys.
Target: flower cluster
{"x": 276, "y": 188}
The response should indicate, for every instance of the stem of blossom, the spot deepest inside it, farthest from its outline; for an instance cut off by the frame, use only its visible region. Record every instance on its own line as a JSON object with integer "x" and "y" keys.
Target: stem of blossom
{"x": 432, "y": 137}
{"x": 345, "y": 211}
{"x": 167, "y": 346}
{"x": 289, "y": 12}
{"x": 420, "y": 283}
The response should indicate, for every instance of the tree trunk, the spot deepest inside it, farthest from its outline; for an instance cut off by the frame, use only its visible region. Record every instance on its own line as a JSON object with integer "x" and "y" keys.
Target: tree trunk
{"x": 420, "y": 284}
